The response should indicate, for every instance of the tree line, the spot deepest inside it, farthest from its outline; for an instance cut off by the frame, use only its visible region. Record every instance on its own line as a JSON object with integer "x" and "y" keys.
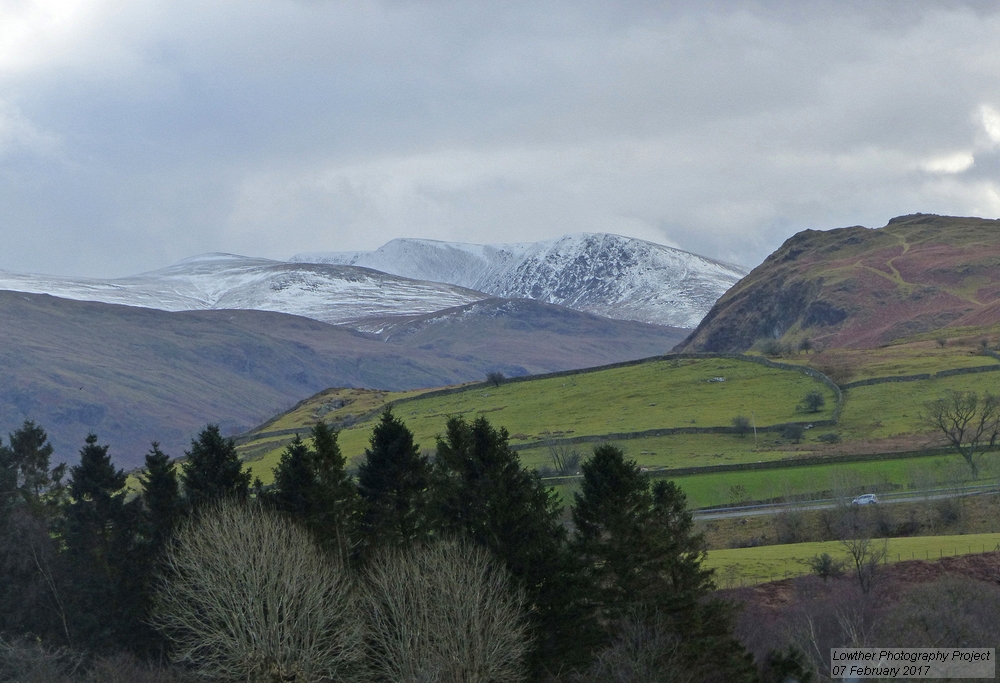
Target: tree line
{"x": 392, "y": 553}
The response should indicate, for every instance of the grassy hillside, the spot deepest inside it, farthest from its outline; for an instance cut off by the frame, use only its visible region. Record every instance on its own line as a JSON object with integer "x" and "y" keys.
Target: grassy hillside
{"x": 587, "y": 407}
{"x": 623, "y": 404}
{"x": 767, "y": 563}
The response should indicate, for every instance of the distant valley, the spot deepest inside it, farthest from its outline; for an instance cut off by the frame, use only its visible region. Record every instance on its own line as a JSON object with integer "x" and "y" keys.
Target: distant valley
{"x": 133, "y": 374}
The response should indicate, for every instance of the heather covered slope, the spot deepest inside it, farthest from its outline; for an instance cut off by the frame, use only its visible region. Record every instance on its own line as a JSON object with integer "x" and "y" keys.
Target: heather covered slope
{"x": 134, "y": 374}
{"x": 859, "y": 288}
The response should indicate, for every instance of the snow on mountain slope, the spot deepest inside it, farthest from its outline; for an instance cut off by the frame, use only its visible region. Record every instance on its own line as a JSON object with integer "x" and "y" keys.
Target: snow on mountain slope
{"x": 610, "y": 275}
{"x": 330, "y": 293}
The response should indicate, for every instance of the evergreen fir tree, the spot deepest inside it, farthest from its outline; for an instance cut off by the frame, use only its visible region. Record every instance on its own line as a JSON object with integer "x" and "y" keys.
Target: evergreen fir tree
{"x": 294, "y": 481}
{"x": 484, "y": 494}
{"x": 610, "y": 511}
{"x": 311, "y": 484}
{"x": 32, "y": 576}
{"x": 97, "y": 539}
{"x": 213, "y": 470}
{"x": 25, "y": 466}
{"x": 8, "y": 483}
{"x": 393, "y": 483}
{"x": 335, "y": 516}
{"x": 645, "y": 562}
{"x": 161, "y": 498}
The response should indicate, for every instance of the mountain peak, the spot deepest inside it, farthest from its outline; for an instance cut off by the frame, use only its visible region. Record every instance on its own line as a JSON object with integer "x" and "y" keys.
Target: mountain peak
{"x": 602, "y": 273}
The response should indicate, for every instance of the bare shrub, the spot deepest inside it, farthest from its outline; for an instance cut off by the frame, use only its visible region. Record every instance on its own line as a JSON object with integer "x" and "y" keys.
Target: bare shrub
{"x": 949, "y": 511}
{"x": 742, "y": 425}
{"x": 840, "y": 370}
{"x": 642, "y": 652}
{"x": 826, "y": 567}
{"x": 883, "y": 521}
{"x": 823, "y": 615}
{"x": 29, "y": 662}
{"x": 773, "y": 347}
{"x": 789, "y": 526}
{"x": 738, "y": 494}
{"x": 951, "y": 612}
{"x": 792, "y": 431}
{"x": 444, "y": 612}
{"x": 124, "y": 668}
{"x": 565, "y": 459}
{"x": 247, "y": 596}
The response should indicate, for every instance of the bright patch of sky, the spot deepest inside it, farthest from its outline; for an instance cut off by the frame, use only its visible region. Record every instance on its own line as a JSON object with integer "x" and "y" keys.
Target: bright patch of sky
{"x": 134, "y": 134}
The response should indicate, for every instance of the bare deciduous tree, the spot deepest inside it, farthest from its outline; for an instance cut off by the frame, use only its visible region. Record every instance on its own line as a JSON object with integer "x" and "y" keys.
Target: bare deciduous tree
{"x": 969, "y": 422}
{"x": 247, "y": 596}
{"x": 868, "y": 555}
{"x": 565, "y": 459}
{"x": 445, "y": 612}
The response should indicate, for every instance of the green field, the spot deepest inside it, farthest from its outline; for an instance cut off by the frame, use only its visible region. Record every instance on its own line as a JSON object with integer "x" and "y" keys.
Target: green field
{"x": 815, "y": 481}
{"x": 893, "y": 409}
{"x": 904, "y": 358}
{"x": 577, "y": 411}
{"x": 653, "y": 395}
{"x": 748, "y": 566}
{"x": 709, "y": 490}
{"x": 684, "y": 450}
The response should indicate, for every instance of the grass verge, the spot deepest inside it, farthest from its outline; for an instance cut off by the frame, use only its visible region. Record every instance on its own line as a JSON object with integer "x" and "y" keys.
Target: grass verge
{"x": 748, "y": 566}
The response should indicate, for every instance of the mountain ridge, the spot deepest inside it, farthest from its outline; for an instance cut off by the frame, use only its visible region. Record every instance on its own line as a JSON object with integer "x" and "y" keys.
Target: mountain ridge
{"x": 333, "y": 294}
{"x": 601, "y": 273}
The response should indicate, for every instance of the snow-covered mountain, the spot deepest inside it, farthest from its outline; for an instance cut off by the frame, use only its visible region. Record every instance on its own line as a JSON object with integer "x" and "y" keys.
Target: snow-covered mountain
{"x": 330, "y": 293}
{"x": 609, "y": 275}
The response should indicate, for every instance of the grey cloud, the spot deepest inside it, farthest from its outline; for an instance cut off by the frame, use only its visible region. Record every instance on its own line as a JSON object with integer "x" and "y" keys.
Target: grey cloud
{"x": 271, "y": 127}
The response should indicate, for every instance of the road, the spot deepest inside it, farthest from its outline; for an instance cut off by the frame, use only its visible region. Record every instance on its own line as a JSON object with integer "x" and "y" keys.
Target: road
{"x": 829, "y": 503}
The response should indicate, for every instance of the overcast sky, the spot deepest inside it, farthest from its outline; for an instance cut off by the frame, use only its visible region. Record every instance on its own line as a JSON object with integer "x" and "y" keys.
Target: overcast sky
{"x": 134, "y": 133}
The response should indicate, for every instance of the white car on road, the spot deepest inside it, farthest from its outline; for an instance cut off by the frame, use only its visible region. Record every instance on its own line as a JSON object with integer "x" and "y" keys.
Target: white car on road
{"x": 867, "y": 499}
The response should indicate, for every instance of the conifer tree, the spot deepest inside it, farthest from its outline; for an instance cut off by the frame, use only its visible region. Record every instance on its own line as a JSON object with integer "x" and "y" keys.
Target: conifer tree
{"x": 161, "y": 497}
{"x": 25, "y": 464}
{"x": 8, "y": 483}
{"x": 393, "y": 483}
{"x": 645, "y": 562}
{"x": 213, "y": 470}
{"x": 611, "y": 514}
{"x": 335, "y": 516}
{"x": 98, "y": 539}
{"x": 32, "y": 580}
{"x": 294, "y": 481}
{"x": 485, "y": 495}
{"x": 312, "y": 485}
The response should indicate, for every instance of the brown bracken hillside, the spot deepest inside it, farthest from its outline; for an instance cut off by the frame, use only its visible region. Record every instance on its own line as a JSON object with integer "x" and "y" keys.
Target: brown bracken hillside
{"x": 859, "y": 287}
